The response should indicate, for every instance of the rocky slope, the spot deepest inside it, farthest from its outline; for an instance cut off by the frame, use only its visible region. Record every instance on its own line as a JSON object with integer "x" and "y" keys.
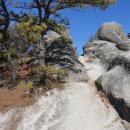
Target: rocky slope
{"x": 78, "y": 107}
{"x": 82, "y": 105}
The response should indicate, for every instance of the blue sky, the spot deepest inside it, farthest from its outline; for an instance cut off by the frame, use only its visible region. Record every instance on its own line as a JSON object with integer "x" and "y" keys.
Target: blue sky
{"x": 85, "y": 23}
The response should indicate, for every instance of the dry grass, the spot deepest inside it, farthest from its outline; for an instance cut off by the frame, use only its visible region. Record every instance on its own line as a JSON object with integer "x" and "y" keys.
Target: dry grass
{"x": 14, "y": 98}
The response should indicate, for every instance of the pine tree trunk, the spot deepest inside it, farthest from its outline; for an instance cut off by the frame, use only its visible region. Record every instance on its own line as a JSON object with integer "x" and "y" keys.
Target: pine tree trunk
{"x": 42, "y": 53}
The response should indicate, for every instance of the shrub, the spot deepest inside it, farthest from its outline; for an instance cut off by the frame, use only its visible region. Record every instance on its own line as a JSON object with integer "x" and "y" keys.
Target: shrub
{"x": 26, "y": 85}
{"x": 51, "y": 77}
{"x": 12, "y": 53}
{"x": 30, "y": 29}
{"x": 9, "y": 53}
{"x": 51, "y": 69}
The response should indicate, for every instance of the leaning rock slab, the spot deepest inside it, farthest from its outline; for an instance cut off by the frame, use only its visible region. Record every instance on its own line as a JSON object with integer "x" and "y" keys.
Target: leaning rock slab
{"x": 63, "y": 55}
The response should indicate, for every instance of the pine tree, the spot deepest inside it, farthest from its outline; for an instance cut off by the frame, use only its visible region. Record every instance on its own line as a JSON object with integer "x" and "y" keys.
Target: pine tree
{"x": 48, "y": 11}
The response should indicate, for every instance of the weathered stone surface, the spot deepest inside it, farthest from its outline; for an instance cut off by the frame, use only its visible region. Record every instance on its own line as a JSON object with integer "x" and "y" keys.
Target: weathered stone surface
{"x": 63, "y": 55}
{"x": 107, "y": 52}
{"x": 102, "y": 50}
{"x": 116, "y": 84}
{"x": 122, "y": 60}
{"x": 112, "y": 32}
{"x": 52, "y": 36}
{"x": 124, "y": 45}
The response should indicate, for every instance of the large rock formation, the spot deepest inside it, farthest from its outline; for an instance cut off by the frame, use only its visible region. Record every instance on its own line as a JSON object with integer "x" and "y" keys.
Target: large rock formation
{"x": 112, "y": 48}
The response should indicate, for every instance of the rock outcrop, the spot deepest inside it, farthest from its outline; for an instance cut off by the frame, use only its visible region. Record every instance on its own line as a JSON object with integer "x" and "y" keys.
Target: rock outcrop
{"x": 62, "y": 54}
{"x": 111, "y": 48}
